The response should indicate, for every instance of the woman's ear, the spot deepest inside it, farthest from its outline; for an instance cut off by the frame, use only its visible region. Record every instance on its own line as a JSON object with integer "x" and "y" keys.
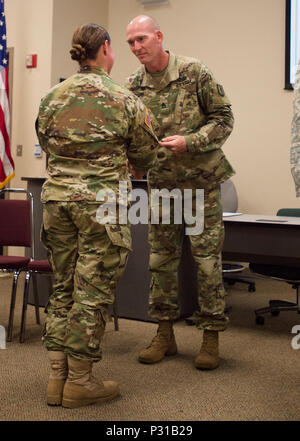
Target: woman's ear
{"x": 105, "y": 47}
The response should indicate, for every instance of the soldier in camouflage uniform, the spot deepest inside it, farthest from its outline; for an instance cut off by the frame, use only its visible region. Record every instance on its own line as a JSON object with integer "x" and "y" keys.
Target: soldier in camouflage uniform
{"x": 195, "y": 119}
{"x": 295, "y": 146}
{"x": 90, "y": 127}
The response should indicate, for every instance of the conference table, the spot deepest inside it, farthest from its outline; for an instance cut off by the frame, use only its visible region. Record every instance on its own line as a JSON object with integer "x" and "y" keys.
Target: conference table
{"x": 262, "y": 239}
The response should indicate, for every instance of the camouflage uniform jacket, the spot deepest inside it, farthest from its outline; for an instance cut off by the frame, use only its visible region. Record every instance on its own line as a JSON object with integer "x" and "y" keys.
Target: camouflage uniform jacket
{"x": 89, "y": 125}
{"x": 188, "y": 101}
{"x": 295, "y": 145}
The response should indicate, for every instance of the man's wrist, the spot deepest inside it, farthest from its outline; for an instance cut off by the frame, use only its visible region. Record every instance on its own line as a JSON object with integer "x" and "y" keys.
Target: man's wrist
{"x": 190, "y": 144}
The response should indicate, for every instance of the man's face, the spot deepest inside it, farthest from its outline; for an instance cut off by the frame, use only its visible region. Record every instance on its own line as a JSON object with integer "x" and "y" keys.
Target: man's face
{"x": 145, "y": 43}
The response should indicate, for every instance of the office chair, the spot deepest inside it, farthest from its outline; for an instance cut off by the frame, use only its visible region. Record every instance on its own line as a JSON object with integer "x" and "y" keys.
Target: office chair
{"x": 231, "y": 270}
{"x": 290, "y": 275}
{"x": 16, "y": 225}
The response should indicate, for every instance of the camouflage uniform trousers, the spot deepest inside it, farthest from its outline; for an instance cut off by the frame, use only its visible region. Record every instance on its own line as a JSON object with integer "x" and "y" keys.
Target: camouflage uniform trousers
{"x": 166, "y": 247}
{"x": 87, "y": 261}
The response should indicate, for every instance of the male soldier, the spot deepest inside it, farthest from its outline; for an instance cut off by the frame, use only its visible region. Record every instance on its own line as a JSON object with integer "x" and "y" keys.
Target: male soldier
{"x": 295, "y": 145}
{"x": 89, "y": 126}
{"x": 195, "y": 120}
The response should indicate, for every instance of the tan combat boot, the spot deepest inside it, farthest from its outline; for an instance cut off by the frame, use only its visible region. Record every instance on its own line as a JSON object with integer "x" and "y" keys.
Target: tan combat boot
{"x": 81, "y": 388}
{"x": 208, "y": 357}
{"x": 162, "y": 344}
{"x": 58, "y": 375}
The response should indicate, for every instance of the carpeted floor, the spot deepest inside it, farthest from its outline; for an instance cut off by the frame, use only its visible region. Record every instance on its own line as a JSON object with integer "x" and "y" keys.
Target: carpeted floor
{"x": 258, "y": 379}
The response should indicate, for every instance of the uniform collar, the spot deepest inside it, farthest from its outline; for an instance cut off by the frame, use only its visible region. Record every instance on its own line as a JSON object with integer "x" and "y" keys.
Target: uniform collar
{"x": 171, "y": 74}
{"x": 93, "y": 69}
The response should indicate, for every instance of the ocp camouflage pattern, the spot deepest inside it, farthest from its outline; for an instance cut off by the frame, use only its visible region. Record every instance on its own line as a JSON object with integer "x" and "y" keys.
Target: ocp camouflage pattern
{"x": 89, "y": 125}
{"x": 165, "y": 256}
{"x": 86, "y": 269}
{"x": 186, "y": 100}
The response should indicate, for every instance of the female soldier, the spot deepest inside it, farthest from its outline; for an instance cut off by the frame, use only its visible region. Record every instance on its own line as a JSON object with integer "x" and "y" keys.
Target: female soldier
{"x": 90, "y": 127}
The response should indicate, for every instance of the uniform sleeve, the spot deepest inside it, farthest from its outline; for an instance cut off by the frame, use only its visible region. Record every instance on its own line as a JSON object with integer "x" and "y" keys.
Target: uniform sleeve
{"x": 41, "y": 124}
{"x": 41, "y": 137}
{"x": 216, "y": 106}
{"x": 295, "y": 134}
{"x": 142, "y": 141}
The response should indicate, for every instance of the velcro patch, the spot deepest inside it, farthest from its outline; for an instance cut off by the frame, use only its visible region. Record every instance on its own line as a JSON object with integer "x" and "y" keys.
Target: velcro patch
{"x": 147, "y": 118}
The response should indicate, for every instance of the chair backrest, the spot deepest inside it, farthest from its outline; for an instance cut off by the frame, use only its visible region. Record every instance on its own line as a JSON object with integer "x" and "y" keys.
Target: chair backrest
{"x": 293, "y": 212}
{"x": 16, "y": 220}
{"x": 229, "y": 197}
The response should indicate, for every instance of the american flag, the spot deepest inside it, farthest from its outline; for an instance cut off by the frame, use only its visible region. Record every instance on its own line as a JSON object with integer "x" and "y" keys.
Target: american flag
{"x": 6, "y": 161}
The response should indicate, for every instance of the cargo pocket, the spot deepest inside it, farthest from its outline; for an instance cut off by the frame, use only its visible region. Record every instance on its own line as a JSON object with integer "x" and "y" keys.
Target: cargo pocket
{"x": 120, "y": 235}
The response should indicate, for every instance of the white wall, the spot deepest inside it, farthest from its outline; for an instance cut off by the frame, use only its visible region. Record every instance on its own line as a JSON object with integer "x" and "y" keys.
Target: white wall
{"x": 67, "y": 15}
{"x": 44, "y": 28}
{"x": 29, "y": 31}
{"x": 243, "y": 42}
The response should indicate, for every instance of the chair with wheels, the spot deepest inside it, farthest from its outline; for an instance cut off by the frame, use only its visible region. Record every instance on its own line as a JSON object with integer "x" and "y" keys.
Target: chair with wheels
{"x": 290, "y": 275}
{"x": 231, "y": 270}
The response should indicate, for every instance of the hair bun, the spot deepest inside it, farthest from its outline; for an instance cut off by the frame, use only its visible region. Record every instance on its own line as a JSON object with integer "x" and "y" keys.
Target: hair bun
{"x": 78, "y": 52}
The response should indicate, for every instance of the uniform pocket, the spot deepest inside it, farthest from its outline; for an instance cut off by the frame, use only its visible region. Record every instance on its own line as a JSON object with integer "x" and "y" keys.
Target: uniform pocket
{"x": 120, "y": 235}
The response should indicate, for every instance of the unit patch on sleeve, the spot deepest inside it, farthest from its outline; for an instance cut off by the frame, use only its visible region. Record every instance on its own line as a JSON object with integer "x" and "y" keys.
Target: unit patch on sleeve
{"x": 147, "y": 118}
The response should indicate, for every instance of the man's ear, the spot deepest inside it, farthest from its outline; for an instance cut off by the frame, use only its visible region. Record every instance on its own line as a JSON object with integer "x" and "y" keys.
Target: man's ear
{"x": 159, "y": 35}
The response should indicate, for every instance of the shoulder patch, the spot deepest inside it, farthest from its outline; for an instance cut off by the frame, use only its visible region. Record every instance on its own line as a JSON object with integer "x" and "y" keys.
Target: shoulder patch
{"x": 220, "y": 90}
{"x": 147, "y": 118}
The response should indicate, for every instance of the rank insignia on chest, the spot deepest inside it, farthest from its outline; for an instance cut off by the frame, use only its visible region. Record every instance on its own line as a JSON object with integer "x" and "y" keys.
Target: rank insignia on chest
{"x": 147, "y": 118}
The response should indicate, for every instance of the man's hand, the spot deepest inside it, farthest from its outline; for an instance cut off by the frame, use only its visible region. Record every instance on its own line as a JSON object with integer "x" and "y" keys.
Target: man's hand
{"x": 135, "y": 174}
{"x": 176, "y": 143}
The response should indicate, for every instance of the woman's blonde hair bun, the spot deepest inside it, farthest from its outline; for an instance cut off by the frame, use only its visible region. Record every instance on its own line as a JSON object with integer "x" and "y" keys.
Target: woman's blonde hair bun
{"x": 78, "y": 52}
